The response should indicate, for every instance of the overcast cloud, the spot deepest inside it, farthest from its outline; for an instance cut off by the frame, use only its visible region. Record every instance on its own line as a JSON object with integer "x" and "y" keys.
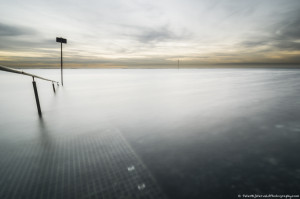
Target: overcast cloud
{"x": 139, "y": 32}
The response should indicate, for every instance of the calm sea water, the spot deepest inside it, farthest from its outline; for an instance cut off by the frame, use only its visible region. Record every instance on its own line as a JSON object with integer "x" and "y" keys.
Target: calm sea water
{"x": 203, "y": 133}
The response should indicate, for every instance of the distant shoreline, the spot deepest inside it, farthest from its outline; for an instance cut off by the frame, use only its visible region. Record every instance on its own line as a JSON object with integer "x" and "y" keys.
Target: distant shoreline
{"x": 183, "y": 68}
{"x": 208, "y": 66}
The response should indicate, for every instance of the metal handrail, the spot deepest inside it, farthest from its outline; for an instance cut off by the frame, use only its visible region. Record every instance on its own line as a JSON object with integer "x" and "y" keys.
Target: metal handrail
{"x": 8, "y": 69}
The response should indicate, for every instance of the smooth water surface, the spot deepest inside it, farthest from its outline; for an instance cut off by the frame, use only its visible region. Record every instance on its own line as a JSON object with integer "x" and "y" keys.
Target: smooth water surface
{"x": 203, "y": 133}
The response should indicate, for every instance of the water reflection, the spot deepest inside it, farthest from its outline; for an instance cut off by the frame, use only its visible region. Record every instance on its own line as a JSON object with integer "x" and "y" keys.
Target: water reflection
{"x": 44, "y": 135}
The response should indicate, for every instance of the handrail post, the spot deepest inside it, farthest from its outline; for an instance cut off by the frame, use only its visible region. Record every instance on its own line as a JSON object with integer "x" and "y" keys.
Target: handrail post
{"x": 36, "y": 97}
{"x": 53, "y": 87}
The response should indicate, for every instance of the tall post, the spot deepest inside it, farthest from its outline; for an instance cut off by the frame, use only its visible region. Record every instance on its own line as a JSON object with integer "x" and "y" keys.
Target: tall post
{"x": 36, "y": 97}
{"x": 61, "y": 41}
{"x": 61, "y": 64}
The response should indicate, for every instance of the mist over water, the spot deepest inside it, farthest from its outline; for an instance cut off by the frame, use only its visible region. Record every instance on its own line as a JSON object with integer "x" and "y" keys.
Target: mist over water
{"x": 202, "y": 133}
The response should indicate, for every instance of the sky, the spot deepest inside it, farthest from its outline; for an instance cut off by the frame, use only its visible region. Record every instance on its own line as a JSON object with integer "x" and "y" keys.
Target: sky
{"x": 149, "y": 33}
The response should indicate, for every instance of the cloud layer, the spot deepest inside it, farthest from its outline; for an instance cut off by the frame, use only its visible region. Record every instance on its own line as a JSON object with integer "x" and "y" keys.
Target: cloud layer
{"x": 139, "y": 33}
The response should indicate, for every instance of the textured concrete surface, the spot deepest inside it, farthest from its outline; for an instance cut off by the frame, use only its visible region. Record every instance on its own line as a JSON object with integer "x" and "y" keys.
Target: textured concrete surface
{"x": 97, "y": 165}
